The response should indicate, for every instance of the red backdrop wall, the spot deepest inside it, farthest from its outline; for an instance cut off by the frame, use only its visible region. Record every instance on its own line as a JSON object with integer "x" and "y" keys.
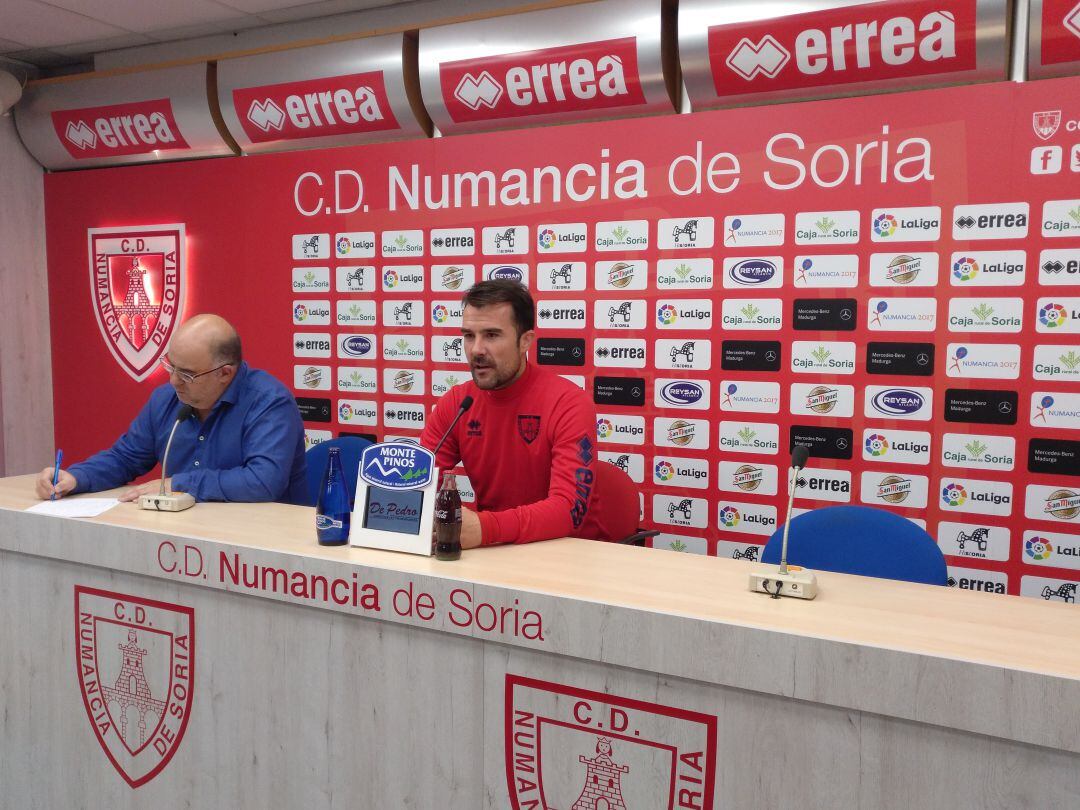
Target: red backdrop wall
{"x": 963, "y": 146}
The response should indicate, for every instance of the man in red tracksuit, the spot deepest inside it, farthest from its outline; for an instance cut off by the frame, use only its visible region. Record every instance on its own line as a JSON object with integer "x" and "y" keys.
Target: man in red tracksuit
{"x": 528, "y": 441}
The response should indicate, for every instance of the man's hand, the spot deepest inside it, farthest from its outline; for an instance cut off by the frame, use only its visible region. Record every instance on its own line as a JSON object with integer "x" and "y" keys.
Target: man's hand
{"x": 149, "y": 488}
{"x": 43, "y": 486}
{"x": 470, "y": 529}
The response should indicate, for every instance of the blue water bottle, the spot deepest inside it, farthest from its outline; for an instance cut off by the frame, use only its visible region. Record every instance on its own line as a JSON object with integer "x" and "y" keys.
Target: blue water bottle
{"x": 333, "y": 511}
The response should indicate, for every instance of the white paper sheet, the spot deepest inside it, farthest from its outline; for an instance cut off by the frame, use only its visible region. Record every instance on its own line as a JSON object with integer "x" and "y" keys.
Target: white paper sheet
{"x": 74, "y": 507}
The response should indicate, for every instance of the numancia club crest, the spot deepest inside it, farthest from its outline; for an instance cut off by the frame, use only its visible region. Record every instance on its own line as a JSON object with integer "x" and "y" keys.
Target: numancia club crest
{"x": 574, "y": 749}
{"x": 135, "y": 660}
{"x": 137, "y": 286}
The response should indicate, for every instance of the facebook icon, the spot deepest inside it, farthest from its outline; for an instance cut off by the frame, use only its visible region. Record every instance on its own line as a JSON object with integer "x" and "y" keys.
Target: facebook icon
{"x": 1046, "y": 160}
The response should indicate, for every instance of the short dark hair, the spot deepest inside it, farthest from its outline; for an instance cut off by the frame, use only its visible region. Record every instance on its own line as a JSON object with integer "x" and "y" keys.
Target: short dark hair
{"x": 228, "y": 351}
{"x": 502, "y": 291}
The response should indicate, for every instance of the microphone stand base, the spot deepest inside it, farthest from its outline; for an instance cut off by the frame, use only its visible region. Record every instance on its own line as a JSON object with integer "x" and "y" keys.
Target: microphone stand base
{"x": 175, "y": 502}
{"x": 796, "y": 583}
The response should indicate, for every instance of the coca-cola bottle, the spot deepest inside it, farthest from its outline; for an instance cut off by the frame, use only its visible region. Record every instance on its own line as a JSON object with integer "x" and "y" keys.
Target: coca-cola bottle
{"x": 333, "y": 511}
{"x": 448, "y": 520}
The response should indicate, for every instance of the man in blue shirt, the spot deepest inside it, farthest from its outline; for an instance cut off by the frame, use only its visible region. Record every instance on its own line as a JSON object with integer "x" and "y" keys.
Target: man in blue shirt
{"x": 244, "y": 441}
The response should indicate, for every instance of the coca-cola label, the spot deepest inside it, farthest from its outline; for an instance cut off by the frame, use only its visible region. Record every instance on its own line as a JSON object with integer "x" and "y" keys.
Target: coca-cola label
{"x": 866, "y": 42}
{"x": 134, "y": 128}
{"x": 335, "y": 105}
{"x": 569, "y": 78}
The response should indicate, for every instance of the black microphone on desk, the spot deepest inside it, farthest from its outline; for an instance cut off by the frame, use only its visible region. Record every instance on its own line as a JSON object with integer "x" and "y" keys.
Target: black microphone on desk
{"x": 785, "y": 581}
{"x": 799, "y": 456}
{"x": 176, "y": 501}
{"x": 465, "y": 405}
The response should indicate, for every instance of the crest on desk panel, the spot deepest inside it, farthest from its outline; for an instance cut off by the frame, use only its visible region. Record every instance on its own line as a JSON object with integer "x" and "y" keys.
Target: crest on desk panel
{"x": 579, "y": 750}
{"x": 135, "y": 661}
{"x": 137, "y": 287}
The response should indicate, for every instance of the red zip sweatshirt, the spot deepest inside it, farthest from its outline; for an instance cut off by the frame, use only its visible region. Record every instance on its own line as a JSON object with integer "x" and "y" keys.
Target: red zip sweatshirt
{"x": 529, "y": 451}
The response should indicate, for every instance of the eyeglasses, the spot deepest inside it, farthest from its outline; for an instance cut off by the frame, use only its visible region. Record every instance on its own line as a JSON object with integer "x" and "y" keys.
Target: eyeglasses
{"x": 186, "y": 376}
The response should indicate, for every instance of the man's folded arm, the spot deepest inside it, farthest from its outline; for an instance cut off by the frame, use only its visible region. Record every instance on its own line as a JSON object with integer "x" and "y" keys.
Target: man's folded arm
{"x": 570, "y": 490}
{"x": 269, "y": 443}
{"x": 132, "y": 455}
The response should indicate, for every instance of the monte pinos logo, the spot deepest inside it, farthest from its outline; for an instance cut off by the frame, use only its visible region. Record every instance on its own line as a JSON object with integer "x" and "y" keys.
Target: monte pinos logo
{"x": 576, "y": 749}
{"x": 137, "y": 287}
{"x": 135, "y": 661}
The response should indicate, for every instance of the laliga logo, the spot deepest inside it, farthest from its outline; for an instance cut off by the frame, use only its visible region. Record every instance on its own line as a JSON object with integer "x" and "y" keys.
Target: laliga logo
{"x": 266, "y": 115}
{"x": 766, "y": 57}
{"x": 666, "y": 315}
{"x": 965, "y": 268}
{"x": 953, "y": 495}
{"x": 664, "y": 471}
{"x": 440, "y": 313}
{"x": 390, "y": 279}
{"x": 1038, "y": 548}
{"x": 300, "y": 312}
{"x": 345, "y": 412}
{"x": 885, "y": 225}
{"x": 604, "y": 428}
{"x": 877, "y": 445}
{"x": 478, "y": 91}
{"x": 546, "y": 239}
{"x": 343, "y": 246}
{"x": 82, "y": 136}
{"x": 729, "y": 516}
{"x": 1053, "y": 315}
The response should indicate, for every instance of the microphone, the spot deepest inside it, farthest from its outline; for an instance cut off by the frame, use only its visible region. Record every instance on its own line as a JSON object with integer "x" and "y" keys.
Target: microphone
{"x": 465, "y": 405}
{"x": 176, "y": 501}
{"x": 785, "y": 581}
{"x": 799, "y": 457}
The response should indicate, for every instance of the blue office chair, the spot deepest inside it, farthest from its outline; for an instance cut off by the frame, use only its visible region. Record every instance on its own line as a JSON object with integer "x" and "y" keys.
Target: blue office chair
{"x": 860, "y": 540}
{"x": 351, "y": 448}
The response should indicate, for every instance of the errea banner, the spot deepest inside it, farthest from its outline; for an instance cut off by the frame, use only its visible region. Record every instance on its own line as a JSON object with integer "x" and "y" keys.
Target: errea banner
{"x": 334, "y": 105}
{"x": 133, "y": 128}
{"x": 869, "y": 44}
{"x": 567, "y": 79}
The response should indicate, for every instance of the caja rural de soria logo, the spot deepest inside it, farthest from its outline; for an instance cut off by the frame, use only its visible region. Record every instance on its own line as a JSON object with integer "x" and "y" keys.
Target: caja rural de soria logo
{"x": 953, "y": 494}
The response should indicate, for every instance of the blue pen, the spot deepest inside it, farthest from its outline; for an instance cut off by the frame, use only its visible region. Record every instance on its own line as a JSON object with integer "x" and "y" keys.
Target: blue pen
{"x": 56, "y": 473}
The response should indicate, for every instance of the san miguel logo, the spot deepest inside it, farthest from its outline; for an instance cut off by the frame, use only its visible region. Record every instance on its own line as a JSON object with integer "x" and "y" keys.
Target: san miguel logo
{"x": 135, "y": 660}
{"x": 118, "y": 129}
{"x": 581, "y": 750}
{"x": 856, "y": 43}
{"x": 137, "y": 285}
{"x": 336, "y": 105}
{"x": 570, "y": 78}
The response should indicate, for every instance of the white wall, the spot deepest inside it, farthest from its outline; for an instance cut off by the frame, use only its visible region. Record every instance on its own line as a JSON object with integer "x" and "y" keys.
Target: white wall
{"x": 26, "y": 405}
